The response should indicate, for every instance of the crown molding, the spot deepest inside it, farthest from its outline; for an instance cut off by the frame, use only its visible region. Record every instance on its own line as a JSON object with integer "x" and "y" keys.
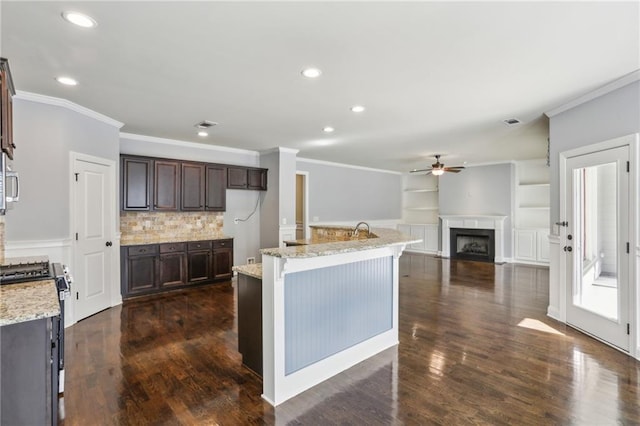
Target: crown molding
{"x": 50, "y": 100}
{"x": 186, "y": 144}
{"x": 281, "y": 149}
{"x": 607, "y": 88}
{"x": 348, "y": 166}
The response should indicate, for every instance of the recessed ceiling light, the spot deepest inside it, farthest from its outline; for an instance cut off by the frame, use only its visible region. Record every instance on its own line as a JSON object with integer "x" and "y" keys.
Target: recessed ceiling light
{"x": 202, "y": 133}
{"x": 357, "y": 108}
{"x": 79, "y": 19}
{"x": 67, "y": 81}
{"x": 311, "y": 72}
{"x": 328, "y": 129}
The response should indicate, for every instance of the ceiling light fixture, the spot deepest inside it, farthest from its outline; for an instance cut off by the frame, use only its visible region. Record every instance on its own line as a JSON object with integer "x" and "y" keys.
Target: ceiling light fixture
{"x": 328, "y": 129}
{"x": 202, "y": 133}
{"x": 67, "y": 81}
{"x": 205, "y": 124}
{"x": 311, "y": 72}
{"x": 437, "y": 172}
{"x": 79, "y": 19}
{"x": 357, "y": 108}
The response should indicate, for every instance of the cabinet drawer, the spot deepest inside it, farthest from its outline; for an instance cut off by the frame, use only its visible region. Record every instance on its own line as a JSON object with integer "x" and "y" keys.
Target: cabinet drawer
{"x": 142, "y": 250}
{"x": 222, "y": 243}
{"x": 171, "y": 247}
{"x": 199, "y": 245}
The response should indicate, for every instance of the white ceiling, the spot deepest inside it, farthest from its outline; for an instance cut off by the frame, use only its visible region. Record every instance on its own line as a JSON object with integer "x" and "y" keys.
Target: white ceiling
{"x": 435, "y": 77}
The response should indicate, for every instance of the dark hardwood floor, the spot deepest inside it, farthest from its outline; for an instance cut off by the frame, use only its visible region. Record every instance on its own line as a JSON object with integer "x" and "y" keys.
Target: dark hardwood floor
{"x": 475, "y": 347}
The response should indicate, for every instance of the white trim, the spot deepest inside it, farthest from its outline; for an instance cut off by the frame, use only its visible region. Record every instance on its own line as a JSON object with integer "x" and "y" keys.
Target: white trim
{"x": 474, "y": 222}
{"x": 277, "y": 386}
{"x": 113, "y": 204}
{"x": 607, "y": 88}
{"x": 348, "y": 166}
{"x": 50, "y": 100}
{"x": 633, "y": 142}
{"x": 186, "y": 144}
{"x": 280, "y": 149}
{"x": 37, "y": 244}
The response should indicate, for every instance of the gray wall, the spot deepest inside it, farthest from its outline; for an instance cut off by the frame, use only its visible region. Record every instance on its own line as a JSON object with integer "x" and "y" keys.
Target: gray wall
{"x": 240, "y": 203}
{"x": 44, "y": 135}
{"x": 338, "y": 193}
{"x": 269, "y": 219}
{"x": 607, "y": 117}
{"x": 482, "y": 190}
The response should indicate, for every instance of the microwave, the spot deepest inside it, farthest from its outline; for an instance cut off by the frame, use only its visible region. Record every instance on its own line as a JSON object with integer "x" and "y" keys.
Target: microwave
{"x": 9, "y": 184}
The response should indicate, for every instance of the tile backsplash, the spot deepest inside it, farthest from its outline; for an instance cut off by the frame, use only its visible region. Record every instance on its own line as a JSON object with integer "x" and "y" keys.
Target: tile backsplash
{"x": 157, "y": 227}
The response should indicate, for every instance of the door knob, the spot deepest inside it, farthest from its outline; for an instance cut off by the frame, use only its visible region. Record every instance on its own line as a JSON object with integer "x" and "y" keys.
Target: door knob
{"x": 108, "y": 244}
{"x": 567, "y": 248}
{"x": 569, "y": 237}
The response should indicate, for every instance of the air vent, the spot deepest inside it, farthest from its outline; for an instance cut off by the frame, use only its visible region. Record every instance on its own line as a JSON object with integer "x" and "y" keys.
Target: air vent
{"x": 205, "y": 124}
{"x": 511, "y": 121}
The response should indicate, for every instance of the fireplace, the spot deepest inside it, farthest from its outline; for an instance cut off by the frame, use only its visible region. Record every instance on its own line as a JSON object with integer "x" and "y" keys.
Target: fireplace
{"x": 474, "y": 223}
{"x": 472, "y": 244}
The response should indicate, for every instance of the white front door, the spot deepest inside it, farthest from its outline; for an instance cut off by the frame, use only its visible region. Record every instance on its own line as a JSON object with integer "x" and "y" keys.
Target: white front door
{"x": 93, "y": 195}
{"x": 596, "y": 244}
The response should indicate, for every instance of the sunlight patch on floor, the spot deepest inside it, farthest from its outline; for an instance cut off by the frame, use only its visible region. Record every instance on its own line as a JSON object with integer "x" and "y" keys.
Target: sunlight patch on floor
{"x": 534, "y": 324}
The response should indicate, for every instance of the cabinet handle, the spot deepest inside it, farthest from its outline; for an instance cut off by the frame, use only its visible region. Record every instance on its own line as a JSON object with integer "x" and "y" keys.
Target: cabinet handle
{"x": 143, "y": 250}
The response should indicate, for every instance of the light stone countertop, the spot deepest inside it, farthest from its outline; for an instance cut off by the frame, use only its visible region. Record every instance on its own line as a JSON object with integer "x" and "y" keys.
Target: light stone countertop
{"x": 28, "y": 301}
{"x": 253, "y": 270}
{"x": 312, "y": 248}
{"x": 153, "y": 239}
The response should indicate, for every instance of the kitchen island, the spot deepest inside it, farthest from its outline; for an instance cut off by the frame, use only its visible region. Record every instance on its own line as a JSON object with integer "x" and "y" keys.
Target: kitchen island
{"x": 327, "y": 305}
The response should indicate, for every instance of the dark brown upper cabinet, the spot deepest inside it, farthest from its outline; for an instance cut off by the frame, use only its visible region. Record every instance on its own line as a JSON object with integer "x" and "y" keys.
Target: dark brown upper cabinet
{"x": 166, "y": 185}
{"x": 246, "y": 178}
{"x": 193, "y": 186}
{"x": 136, "y": 178}
{"x": 216, "y": 188}
{"x": 7, "y": 91}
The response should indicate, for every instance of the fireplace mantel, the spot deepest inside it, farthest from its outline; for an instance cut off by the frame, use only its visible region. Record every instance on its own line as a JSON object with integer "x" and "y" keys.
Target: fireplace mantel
{"x": 474, "y": 222}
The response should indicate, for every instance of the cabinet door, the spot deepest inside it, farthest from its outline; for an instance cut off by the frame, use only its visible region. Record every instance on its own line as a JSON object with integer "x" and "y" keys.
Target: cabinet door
{"x": 141, "y": 274}
{"x": 6, "y": 111}
{"x": 526, "y": 244}
{"x": 136, "y": 183}
{"x": 543, "y": 246}
{"x": 216, "y": 188}
{"x": 193, "y": 185}
{"x": 166, "y": 187}
{"x": 222, "y": 259}
{"x": 237, "y": 178}
{"x": 431, "y": 233}
{"x": 257, "y": 179}
{"x": 199, "y": 266}
{"x": 173, "y": 270}
{"x": 417, "y": 232}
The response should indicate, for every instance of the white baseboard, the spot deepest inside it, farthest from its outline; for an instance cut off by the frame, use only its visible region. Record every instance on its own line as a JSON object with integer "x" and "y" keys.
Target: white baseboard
{"x": 553, "y": 312}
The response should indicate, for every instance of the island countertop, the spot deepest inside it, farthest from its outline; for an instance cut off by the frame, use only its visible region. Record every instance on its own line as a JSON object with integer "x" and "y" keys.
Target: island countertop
{"x": 384, "y": 237}
{"x": 28, "y": 301}
{"x": 251, "y": 269}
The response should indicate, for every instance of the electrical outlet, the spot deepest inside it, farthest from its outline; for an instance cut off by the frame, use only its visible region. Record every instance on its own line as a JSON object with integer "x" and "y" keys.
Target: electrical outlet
{"x": 251, "y": 260}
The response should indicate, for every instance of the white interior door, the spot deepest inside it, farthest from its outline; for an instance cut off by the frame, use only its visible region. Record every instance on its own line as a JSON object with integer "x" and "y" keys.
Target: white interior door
{"x": 596, "y": 245}
{"x": 93, "y": 194}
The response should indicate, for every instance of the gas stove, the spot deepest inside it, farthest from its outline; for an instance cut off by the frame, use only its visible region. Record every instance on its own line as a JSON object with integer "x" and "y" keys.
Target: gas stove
{"x": 21, "y": 269}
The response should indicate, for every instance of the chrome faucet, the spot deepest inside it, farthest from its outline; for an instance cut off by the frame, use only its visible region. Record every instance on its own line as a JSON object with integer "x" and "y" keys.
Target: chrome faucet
{"x": 357, "y": 228}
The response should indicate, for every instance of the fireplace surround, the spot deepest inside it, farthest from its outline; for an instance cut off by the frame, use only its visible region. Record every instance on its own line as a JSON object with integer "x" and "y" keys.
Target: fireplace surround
{"x": 487, "y": 222}
{"x": 472, "y": 244}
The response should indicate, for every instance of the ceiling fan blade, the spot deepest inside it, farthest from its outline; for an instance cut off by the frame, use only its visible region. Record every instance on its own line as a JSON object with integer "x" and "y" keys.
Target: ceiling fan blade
{"x": 452, "y": 170}
{"x": 418, "y": 171}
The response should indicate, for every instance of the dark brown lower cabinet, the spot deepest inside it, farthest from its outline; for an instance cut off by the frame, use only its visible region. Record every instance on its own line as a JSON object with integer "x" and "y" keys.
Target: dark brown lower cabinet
{"x": 222, "y": 259}
{"x": 199, "y": 260}
{"x": 154, "y": 268}
{"x": 139, "y": 269}
{"x": 250, "y": 321}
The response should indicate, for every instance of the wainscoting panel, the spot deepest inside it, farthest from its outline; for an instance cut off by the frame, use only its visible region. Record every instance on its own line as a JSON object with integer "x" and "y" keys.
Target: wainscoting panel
{"x": 365, "y": 293}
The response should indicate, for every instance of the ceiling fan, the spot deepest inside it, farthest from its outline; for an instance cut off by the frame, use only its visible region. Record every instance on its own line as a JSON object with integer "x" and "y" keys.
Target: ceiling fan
{"x": 438, "y": 168}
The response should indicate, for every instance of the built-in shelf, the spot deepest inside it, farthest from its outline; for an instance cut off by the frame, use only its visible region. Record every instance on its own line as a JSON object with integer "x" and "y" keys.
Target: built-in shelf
{"x": 532, "y": 214}
{"x": 420, "y": 199}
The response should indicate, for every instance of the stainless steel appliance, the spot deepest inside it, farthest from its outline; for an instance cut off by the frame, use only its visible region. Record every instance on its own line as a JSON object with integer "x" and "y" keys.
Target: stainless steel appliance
{"x": 9, "y": 184}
